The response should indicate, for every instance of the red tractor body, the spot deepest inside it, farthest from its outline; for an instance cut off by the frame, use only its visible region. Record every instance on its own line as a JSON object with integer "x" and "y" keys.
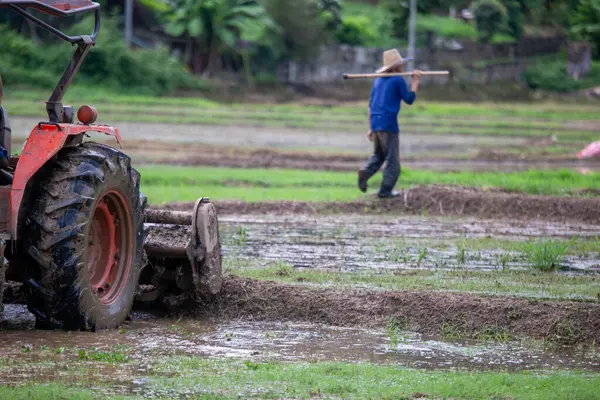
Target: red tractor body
{"x": 74, "y": 216}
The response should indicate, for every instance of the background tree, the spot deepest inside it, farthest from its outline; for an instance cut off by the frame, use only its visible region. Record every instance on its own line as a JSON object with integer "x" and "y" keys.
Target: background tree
{"x": 515, "y": 18}
{"x": 331, "y": 13}
{"x": 490, "y": 18}
{"x": 303, "y": 27}
{"x": 212, "y": 25}
{"x": 586, "y": 23}
{"x": 398, "y": 12}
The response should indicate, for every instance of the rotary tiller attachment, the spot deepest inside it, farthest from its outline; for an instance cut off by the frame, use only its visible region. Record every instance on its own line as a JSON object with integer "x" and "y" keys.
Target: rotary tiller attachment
{"x": 183, "y": 251}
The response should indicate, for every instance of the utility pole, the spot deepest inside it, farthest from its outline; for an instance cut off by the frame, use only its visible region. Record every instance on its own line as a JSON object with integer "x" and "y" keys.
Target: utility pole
{"x": 412, "y": 22}
{"x": 128, "y": 22}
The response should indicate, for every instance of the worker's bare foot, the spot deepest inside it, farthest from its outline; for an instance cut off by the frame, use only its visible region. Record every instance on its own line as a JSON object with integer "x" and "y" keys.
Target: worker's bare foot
{"x": 362, "y": 180}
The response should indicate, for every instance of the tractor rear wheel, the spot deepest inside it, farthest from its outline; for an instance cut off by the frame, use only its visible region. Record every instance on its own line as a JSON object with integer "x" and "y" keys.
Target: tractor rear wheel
{"x": 85, "y": 237}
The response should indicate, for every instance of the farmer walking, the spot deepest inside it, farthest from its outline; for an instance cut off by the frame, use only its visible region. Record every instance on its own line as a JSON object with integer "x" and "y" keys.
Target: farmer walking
{"x": 384, "y": 105}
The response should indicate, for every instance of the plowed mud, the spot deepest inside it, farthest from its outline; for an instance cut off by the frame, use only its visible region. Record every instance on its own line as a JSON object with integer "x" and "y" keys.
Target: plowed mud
{"x": 423, "y": 312}
{"x": 434, "y": 200}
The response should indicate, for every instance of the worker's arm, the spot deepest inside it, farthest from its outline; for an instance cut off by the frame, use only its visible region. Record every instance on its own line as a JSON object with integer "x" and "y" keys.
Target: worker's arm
{"x": 416, "y": 78}
{"x": 370, "y": 133}
{"x": 409, "y": 96}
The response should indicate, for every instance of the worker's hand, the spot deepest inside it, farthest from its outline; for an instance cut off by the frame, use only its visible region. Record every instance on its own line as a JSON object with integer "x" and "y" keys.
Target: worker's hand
{"x": 416, "y": 75}
{"x": 370, "y": 136}
{"x": 416, "y": 78}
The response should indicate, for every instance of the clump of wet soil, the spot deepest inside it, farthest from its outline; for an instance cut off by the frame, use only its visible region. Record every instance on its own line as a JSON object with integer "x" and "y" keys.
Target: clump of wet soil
{"x": 430, "y": 313}
{"x": 434, "y": 200}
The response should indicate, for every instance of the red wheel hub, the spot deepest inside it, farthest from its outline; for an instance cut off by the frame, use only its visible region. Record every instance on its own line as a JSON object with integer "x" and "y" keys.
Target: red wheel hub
{"x": 110, "y": 247}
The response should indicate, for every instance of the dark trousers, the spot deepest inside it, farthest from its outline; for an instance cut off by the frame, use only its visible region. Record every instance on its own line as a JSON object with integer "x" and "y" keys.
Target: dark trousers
{"x": 386, "y": 149}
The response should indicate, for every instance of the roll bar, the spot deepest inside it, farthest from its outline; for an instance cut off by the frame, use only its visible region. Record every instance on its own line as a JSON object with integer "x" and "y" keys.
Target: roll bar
{"x": 59, "y": 33}
{"x": 61, "y": 8}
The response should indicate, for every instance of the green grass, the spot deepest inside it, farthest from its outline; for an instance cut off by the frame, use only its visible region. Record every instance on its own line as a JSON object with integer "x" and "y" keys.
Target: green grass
{"x": 31, "y": 102}
{"x": 363, "y": 380}
{"x": 481, "y": 119}
{"x": 546, "y": 255}
{"x": 201, "y": 378}
{"x": 167, "y": 183}
{"x": 523, "y": 284}
{"x": 51, "y": 391}
{"x": 118, "y": 355}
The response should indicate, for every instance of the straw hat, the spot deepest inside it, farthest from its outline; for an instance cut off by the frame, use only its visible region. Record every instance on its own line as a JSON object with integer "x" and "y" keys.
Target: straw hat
{"x": 391, "y": 59}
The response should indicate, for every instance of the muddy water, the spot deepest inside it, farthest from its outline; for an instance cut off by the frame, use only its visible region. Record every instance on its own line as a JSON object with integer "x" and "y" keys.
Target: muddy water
{"x": 146, "y": 338}
{"x": 353, "y": 243}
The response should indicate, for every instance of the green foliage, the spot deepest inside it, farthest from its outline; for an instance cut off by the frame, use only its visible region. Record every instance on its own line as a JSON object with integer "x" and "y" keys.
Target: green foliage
{"x": 490, "y": 18}
{"x": 586, "y": 22}
{"x": 445, "y": 26}
{"x": 302, "y": 27}
{"x": 552, "y": 76}
{"x": 398, "y": 14}
{"x": 110, "y": 63}
{"x": 330, "y": 12}
{"x": 515, "y": 18}
{"x": 546, "y": 255}
{"x": 217, "y": 25}
{"x": 356, "y": 31}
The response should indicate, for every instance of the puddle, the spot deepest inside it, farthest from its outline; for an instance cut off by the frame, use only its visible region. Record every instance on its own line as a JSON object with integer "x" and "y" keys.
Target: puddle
{"x": 354, "y": 243}
{"x": 147, "y": 338}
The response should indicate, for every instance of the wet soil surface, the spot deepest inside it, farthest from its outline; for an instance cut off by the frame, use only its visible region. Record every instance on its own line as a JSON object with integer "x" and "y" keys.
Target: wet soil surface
{"x": 244, "y": 147}
{"x": 436, "y": 200}
{"x": 481, "y": 159}
{"x": 288, "y": 138}
{"x": 357, "y": 242}
{"x": 147, "y": 338}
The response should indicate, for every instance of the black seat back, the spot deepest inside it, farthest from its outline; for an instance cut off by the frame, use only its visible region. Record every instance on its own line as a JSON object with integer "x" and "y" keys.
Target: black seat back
{"x": 4, "y": 125}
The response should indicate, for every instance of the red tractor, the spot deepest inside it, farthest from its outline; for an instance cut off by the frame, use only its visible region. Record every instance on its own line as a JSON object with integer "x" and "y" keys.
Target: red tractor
{"x": 72, "y": 218}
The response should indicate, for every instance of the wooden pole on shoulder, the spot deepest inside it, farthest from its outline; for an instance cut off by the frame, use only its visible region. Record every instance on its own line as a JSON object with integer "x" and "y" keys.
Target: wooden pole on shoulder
{"x": 384, "y": 75}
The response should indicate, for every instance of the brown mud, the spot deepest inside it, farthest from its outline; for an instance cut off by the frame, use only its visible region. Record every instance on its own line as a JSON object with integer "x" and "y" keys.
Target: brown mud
{"x": 423, "y": 312}
{"x": 433, "y": 200}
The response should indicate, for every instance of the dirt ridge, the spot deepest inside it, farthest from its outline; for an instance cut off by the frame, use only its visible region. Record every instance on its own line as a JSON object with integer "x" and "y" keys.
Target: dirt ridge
{"x": 433, "y": 200}
{"x": 424, "y": 312}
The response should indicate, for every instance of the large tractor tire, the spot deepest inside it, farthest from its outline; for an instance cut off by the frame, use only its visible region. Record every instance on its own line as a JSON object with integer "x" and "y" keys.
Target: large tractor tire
{"x": 85, "y": 237}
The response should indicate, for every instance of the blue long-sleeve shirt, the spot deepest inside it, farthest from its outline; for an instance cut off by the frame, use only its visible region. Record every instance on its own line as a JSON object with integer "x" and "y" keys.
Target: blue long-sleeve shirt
{"x": 384, "y": 104}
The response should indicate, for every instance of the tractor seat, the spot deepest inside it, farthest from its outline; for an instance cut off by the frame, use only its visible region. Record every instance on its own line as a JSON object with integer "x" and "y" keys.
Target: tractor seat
{"x": 4, "y": 128}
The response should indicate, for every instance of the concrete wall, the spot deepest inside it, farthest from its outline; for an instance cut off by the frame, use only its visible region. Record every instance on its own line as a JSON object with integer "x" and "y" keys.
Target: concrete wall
{"x": 462, "y": 60}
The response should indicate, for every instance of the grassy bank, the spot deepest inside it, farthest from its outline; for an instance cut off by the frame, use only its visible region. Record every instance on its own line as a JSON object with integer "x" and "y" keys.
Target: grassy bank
{"x": 306, "y": 380}
{"x": 200, "y": 378}
{"x": 164, "y": 184}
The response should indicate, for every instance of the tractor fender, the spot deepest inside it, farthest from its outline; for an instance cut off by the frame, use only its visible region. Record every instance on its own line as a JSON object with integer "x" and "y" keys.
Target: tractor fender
{"x": 44, "y": 141}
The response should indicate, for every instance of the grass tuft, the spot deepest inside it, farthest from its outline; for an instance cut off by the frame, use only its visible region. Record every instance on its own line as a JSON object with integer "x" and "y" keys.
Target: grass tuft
{"x": 566, "y": 332}
{"x": 546, "y": 255}
{"x": 494, "y": 333}
{"x": 115, "y": 356}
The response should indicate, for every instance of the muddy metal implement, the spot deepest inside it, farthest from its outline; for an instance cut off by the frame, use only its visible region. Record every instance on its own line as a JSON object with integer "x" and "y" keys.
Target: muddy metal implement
{"x": 74, "y": 228}
{"x": 184, "y": 251}
{"x": 386, "y": 75}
